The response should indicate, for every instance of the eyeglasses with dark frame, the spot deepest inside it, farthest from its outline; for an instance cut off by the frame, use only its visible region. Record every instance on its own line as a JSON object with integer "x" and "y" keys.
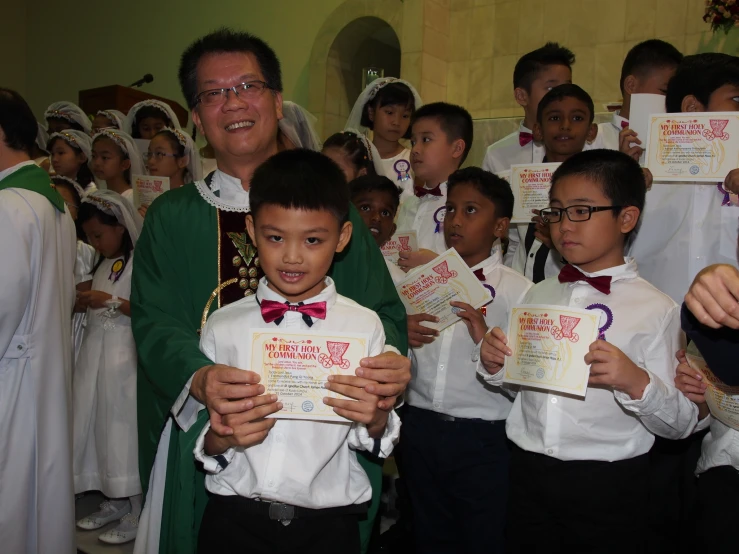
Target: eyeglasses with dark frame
{"x": 575, "y": 213}
{"x": 158, "y": 155}
{"x": 249, "y": 90}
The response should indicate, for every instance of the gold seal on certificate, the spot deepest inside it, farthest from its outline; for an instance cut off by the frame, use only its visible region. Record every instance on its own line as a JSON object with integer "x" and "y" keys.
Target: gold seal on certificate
{"x": 693, "y": 147}
{"x": 722, "y": 400}
{"x": 147, "y": 188}
{"x": 402, "y": 241}
{"x": 530, "y": 184}
{"x": 430, "y": 288}
{"x": 549, "y": 345}
{"x": 294, "y": 366}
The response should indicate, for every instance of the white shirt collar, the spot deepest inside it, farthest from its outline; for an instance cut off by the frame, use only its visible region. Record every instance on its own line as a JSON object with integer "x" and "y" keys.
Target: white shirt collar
{"x": 617, "y": 120}
{"x": 617, "y": 273}
{"x": 327, "y": 295}
{"x": 225, "y": 193}
{"x": 7, "y": 172}
{"x": 493, "y": 261}
{"x": 523, "y": 129}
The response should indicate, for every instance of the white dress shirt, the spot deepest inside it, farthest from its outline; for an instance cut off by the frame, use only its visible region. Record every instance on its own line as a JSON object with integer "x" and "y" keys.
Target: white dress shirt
{"x": 720, "y": 446}
{"x": 396, "y": 274}
{"x": 608, "y": 132}
{"x": 425, "y": 216}
{"x": 683, "y": 230}
{"x": 607, "y": 425}
{"x": 310, "y": 464}
{"x": 444, "y": 377}
{"x": 402, "y": 174}
{"x": 501, "y": 155}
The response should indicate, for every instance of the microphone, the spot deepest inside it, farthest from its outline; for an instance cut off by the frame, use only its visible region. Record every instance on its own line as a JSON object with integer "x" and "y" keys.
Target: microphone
{"x": 148, "y": 78}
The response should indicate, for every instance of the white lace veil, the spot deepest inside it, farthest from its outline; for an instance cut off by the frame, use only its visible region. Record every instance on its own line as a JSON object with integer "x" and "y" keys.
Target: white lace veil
{"x": 42, "y": 137}
{"x": 76, "y": 139}
{"x": 368, "y": 94}
{"x": 74, "y": 184}
{"x": 126, "y": 143}
{"x": 71, "y": 112}
{"x": 114, "y": 204}
{"x": 194, "y": 164}
{"x": 118, "y": 119}
{"x": 168, "y": 111}
{"x": 299, "y": 125}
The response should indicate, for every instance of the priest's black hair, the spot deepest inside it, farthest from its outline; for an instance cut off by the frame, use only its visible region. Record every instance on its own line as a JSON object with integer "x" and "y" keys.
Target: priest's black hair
{"x": 17, "y": 121}
{"x": 648, "y": 56}
{"x": 530, "y": 65}
{"x": 372, "y": 183}
{"x": 300, "y": 179}
{"x": 455, "y": 121}
{"x": 392, "y": 94}
{"x": 354, "y": 149}
{"x": 149, "y": 111}
{"x": 225, "y": 41}
{"x": 700, "y": 76}
{"x": 497, "y": 190}
{"x": 559, "y": 93}
{"x": 88, "y": 211}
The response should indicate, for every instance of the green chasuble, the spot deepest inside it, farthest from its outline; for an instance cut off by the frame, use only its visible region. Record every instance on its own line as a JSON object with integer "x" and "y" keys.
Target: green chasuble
{"x": 33, "y": 178}
{"x": 176, "y": 270}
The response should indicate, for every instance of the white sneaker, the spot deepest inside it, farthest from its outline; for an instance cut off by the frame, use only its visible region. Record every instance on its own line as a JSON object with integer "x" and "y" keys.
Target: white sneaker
{"x": 107, "y": 513}
{"x": 124, "y": 532}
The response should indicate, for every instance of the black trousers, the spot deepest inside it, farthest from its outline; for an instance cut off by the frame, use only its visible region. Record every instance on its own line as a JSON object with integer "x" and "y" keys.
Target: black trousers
{"x": 718, "y": 511}
{"x": 576, "y": 506}
{"x": 457, "y": 478}
{"x": 228, "y": 527}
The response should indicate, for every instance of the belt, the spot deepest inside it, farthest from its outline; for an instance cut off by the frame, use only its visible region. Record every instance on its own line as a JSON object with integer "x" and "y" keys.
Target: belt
{"x": 278, "y": 511}
{"x": 445, "y": 417}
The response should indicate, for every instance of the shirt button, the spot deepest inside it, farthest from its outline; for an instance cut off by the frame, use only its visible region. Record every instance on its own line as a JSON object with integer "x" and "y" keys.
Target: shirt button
{"x": 441, "y": 367}
{"x": 550, "y": 451}
{"x": 437, "y": 405}
{"x": 531, "y": 255}
{"x": 554, "y": 400}
{"x": 577, "y": 300}
{"x": 475, "y": 357}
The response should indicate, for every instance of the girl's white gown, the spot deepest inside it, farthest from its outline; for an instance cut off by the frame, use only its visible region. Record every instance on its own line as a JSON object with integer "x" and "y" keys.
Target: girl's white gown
{"x": 104, "y": 393}
{"x": 83, "y": 265}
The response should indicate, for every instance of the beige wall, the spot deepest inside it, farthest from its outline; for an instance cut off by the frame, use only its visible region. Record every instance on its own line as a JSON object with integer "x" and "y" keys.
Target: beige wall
{"x": 13, "y": 38}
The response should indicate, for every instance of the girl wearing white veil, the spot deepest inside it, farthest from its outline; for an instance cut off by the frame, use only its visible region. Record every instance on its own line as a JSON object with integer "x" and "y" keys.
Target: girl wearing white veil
{"x": 172, "y": 153}
{"x": 67, "y": 115}
{"x": 297, "y": 128}
{"x": 70, "y": 152}
{"x": 104, "y": 386}
{"x": 385, "y": 108}
{"x": 115, "y": 159}
{"x": 146, "y": 118}
{"x": 110, "y": 119}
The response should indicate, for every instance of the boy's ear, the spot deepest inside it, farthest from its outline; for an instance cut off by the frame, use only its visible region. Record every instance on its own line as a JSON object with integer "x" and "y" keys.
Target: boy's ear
{"x": 521, "y": 96}
{"x": 629, "y": 85}
{"x": 500, "y": 229}
{"x": 345, "y": 236}
{"x": 629, "y": 217}
{"x": 691, "y": 104}
{"x": 536, "y": 131}
{"x": 592, "y": 133}
{"x": 250, "y": 228}
{"x": 458, "y": 148}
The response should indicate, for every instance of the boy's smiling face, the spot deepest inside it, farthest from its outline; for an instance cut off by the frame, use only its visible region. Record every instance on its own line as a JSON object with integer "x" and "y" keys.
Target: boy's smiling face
{"x": 565, "y": 128}
{"x": 296, "y": 248}
{"x": 377, "y": 209}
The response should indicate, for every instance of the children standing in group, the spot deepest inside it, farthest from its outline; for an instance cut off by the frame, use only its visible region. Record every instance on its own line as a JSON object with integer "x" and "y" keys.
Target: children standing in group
{"x": 172, "y": 154}
{"x": 71, "y": 152}
{"x": 66, "y": 115}
{"x": 352, "y": 153}
{"x": 109, "y": 119}
{"x": 455, "y": 451}
{"x": 104, "y": 385}
{"x": 146, "y": 118}
{"x": 115, "y": 157}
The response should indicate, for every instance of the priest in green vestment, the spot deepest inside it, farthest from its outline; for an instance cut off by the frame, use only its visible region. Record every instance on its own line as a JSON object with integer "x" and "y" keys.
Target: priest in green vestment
{"x": 194, "y": 256}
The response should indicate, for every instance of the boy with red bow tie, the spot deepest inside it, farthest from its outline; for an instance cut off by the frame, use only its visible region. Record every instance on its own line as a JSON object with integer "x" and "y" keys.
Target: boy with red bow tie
{"x": 301, "y": 489}
{"x": 453, "y": 432}
{"x": 579, "y": 464}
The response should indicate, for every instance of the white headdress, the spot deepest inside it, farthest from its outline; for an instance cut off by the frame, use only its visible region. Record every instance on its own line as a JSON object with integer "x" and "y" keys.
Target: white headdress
{"x": 76, "y": 139}
{"x": 161, "y": 106}
{"x": 299, "y": 125}
{"x": 368, "y": 94}
{"x": 114, "y": 204}
{"x": 194, "y": 165}
{"x": 42, "y": 137}
{"x": 117, "y": 118}
{"x": 126, "y": 143}
{"x": 74, "y": 184}
{"x": 71, "y": 112}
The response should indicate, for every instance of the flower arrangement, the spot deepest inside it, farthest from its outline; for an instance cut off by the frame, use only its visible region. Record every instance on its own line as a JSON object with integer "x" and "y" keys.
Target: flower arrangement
{"x": 722, "y": 14}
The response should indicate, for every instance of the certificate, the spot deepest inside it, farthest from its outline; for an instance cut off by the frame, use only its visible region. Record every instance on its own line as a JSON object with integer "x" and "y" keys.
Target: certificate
{"x": 530, "y": 184}
{"x": 294, "y": 366}
{"x": 430, "y": 288}
{"x": 643, "y": 106}
{"x": 722, "y": 400}
{"x": 693, "y": 147}
{"x": 147, "y": 188}
{"x": 402, "y": 241}
{"x": 549, "y": 345}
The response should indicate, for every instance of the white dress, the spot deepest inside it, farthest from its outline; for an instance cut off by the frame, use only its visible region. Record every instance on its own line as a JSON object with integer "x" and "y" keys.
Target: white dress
{"x": 398, "y": 170}
{"x": 82, "y": 273}
{"x": 105, "y": 434}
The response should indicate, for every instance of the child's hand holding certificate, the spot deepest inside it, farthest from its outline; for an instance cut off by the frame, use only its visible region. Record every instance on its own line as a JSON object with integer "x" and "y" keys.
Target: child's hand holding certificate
{"x": 402, "y": 241}
{"x": 295, "y": 366}
{"x": 722, "y": 400}
{"x": 430, "y": 288}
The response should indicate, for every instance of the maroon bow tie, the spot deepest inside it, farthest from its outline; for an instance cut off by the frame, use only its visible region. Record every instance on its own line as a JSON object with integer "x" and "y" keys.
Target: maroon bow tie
{"x": 479, "y": 274}
{"x": 570, "y": 274}
{"x": 423, "y": 191}
{"x": 624, "y": 124}
{"x": 275, "y": 311}
{"x": 524, "y": 138}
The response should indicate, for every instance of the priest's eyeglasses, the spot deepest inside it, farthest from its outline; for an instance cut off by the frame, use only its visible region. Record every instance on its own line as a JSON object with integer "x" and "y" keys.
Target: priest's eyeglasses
{"x": 575, "y": 213}
{"x": 249, "y": 90}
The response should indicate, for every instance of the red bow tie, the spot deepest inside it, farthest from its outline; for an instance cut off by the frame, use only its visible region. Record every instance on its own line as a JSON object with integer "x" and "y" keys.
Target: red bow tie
{"x": 624, "y": 124}
{"x": 570, "y": 274}
{"x": 423, "y": 191}
{"x": 479, "y": 274}
{"x": 524, "y": 138}
{"x": 275, "y": 311}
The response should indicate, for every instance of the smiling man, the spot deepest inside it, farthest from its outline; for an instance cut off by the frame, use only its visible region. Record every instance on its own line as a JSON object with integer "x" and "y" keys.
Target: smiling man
{"x": 193, "y": 256}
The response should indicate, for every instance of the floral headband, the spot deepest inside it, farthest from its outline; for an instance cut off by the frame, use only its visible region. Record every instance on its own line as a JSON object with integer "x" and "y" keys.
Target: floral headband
{"x": 71, "y": 139}
{"x": 74, "y": 184}
{"x": 104, "y": 205}
{"x": 380, "y": 83}
{"x": 60, "y": 115}
{"x": 108, "y": 115}
{"x": 115, "y": 137}
{"x": 179, "y": 135}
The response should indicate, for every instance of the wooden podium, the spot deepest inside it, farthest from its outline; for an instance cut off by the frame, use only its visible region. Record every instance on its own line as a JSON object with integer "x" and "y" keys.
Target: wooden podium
{"x": 117, "y": 97}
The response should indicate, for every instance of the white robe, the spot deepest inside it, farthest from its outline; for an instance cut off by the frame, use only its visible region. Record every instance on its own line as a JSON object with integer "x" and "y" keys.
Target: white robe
{"x": 37, "y": 293}
{"x": 105, "y": 434}
{"x": 82, "y": 273}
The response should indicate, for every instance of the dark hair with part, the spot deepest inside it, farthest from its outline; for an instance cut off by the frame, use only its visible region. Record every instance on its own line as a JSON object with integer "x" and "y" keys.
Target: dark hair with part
{"x": 620, "y": 177}
{"x": 392, "y": 94}
{"x": 123, "y": 153}
{"x": 375, "y": 183}
{"x": 648, "y": 56}
{"x": 559, "y": 93}
{"x": 300, "y": 179}
{"x": 149, "y": 111}
{"x": 17, "y": 121}
{"x": 530, "y": 65}
{"x": 353, "y": 148}
{"x": 700, "y": 76}
{"x": 177, "y": 146}
{"x": 497, "y": 190}
{"x": 225, "y": 41}
{"x": 455, "y": 121}
{"x": 88, "y": 211}
{"x": 61, "y": 182}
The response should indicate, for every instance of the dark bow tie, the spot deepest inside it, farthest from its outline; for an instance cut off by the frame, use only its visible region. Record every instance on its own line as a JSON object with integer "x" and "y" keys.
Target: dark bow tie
{"x": 423, "y": 191}
{"x": 624, "y": 124}
{"x": 479, "y": 274}
{"x": 570, "y": 274}
{"x": 524, "y": 138}
{"x": 275, "y": 311}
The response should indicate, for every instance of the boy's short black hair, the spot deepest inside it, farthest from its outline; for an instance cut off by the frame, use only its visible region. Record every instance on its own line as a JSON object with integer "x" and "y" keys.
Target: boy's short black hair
{"x": 489, "y": 185}
{"x": 300, "y": 179}
{"x": 529, "y": 65}
{"x": 392, "y": 94}
{"x": 620, "y": 177}
{"x": 647, "y": 56}
{"x": 224, "y": 41}
{"x": 558, "y": 93}
{"x": 17, "y": 121}
{"x": 372, "y": 183}
{"x": 701, "y": 75}
{"x": 455, "y": 121}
